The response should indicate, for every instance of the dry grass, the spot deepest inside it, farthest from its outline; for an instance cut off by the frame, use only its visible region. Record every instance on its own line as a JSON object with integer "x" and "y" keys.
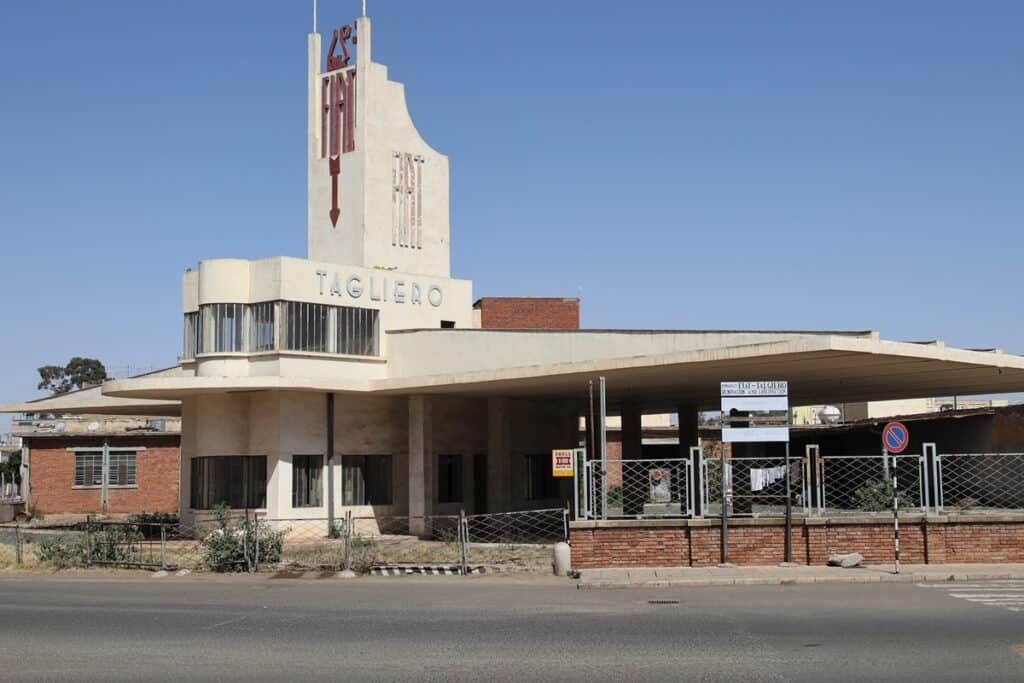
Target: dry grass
{"x": 8, "y": 560}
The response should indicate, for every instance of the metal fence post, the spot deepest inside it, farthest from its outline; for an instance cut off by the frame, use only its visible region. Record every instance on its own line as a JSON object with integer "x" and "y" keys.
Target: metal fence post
{"x": 88, "y": 540}
{"x": 245, "y": 542}
{"x": 256, "y": 537}
{"x": 565, "y": 522}
{"x": 163, "y": 546}
{"x": 462, "y": 542}
{"x": 347, "y": 541}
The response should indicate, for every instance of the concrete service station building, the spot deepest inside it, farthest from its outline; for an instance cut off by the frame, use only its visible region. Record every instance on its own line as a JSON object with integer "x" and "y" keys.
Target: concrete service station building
{"x": 360, "y": 378}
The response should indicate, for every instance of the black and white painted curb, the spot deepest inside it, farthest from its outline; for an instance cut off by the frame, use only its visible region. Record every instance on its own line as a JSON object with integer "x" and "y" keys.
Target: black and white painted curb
{"x": 408, "y": 570}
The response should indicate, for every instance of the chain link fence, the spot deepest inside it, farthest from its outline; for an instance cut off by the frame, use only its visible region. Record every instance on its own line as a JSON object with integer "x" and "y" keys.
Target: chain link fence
{"x": 757, "y": 486}
{"x": 980, "y": 482}
{"x": 862, "y": 484}
{"x": 515, "y": 541}
{"x": 631, "y": 489}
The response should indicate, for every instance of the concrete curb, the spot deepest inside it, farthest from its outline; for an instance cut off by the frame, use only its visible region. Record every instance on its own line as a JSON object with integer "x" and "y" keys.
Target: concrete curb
{"x": 857, "y": 577}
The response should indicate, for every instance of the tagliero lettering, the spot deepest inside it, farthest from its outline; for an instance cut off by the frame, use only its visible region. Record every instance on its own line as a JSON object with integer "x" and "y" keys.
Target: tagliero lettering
{"x": 379, "y": 288}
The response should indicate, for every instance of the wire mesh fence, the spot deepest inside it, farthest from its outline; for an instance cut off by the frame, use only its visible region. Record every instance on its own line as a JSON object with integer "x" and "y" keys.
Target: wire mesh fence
{"x": 624, "y": 489}
{"x": 862, "y": 484}
{"x": 247, "y": 542}
{"x": 981, "y": 482}
{"x": 757, "y": 486}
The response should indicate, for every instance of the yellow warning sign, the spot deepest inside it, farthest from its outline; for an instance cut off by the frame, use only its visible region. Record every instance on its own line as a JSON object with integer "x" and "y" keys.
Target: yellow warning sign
{"x": 561, "y": 462}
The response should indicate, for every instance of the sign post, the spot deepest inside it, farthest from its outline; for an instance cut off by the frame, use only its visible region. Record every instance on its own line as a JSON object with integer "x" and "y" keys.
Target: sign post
{"x": 895, "y": 439}
{"x": 761, "y": 411}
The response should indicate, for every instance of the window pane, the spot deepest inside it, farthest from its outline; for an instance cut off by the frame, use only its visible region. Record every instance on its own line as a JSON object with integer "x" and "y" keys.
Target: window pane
{"x": 357, "y": 331}
{"x": 240, "y": 481}
{"x": 89, "y": 468}
{"x": 306, "y": 476}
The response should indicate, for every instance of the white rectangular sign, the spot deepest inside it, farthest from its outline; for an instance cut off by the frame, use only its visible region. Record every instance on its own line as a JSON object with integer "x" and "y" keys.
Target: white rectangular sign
{"x": 775, "y": 388}
{"x": 756, "y": 404}
{"x": 754, "y": 434}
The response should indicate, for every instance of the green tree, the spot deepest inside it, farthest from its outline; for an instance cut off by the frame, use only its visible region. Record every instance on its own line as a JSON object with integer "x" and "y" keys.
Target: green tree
{"x": 78, "y": 373}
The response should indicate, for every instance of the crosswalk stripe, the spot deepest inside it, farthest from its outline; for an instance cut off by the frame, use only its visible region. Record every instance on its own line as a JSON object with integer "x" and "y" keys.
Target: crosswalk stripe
{"x": 1005, "y": 594}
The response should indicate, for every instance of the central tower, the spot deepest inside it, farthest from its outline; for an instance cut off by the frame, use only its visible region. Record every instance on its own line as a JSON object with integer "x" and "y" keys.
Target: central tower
{"x": 377, "y": 192}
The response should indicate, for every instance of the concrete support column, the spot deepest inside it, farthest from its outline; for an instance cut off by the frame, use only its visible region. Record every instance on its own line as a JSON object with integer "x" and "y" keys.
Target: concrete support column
{"x": 634, "y": 476}
{"x": 421, "y": 465}
{"x": 499, "y": 455}
{"x": 688, "y": 437}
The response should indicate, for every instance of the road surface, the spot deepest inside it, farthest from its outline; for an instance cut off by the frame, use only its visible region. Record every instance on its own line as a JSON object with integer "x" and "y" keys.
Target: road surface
{"x": 502, "y": 629}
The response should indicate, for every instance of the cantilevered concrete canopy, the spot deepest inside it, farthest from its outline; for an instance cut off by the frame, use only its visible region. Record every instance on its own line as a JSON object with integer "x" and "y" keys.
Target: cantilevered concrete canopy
{"x": 660, "y": 369}
{"x": 94, "y": 401}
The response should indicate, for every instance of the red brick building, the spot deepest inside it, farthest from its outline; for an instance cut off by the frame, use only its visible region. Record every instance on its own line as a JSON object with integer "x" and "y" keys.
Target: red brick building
{"x": 527, "y": 312}
{"x": 83, "y": 453}
{"x": 67, "y": 473}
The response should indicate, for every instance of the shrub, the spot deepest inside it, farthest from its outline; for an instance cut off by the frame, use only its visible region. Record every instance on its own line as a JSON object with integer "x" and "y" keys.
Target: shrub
{"x": 62, "y": 552}
{"x": 232, "y": 547}
{"x": 874, "y": 496}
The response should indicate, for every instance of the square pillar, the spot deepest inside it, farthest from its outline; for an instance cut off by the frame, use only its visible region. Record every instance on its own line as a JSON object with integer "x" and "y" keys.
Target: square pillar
{"x": 421, "y": 465}
{"x": 688, "y": 418}
{"x": 499, "y": 455}
{"x": 634, "y": 475}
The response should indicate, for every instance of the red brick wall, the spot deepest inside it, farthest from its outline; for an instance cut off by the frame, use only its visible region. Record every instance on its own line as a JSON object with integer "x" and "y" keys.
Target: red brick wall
{"x": 536, "y": 313}
{"x": 52, "y": 476}
{"x": 683, "y": 545}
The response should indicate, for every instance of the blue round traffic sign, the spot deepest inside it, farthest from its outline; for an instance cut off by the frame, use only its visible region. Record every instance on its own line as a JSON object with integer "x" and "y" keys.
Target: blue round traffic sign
{"x": 895, "y": 437}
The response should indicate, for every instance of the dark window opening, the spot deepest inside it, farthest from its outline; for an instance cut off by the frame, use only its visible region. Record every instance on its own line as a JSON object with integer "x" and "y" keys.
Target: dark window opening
{"x": 307, "y": 490}
{"x": 447, "y": 324}
{"x": 540, "y": 484}
{"x": 240, "y": 481}
{"x": 449, "y": 478}
{"x": 366, "y": 480}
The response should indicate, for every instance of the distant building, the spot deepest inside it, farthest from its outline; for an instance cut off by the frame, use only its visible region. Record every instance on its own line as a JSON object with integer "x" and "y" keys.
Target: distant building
{"x": 103, "y": 461}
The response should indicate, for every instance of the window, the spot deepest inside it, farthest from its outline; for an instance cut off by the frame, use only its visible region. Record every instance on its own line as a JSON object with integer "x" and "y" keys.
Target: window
{"x": 358, "y": 331}
{"x": 222, "y": 328}
{"x": 191, "y": 335}
{"x": 366, "y": 480}
{"x": 540, "y": 485}
{"x": 122, "y": 469}
{"x": 306, "y": 476}
{"x": 449, "y": 478}
{"x": 238, "y": 480}
{"x": 447, "y": 324}
{"x": 89, "y": 469}
{"x": 261, "y": 326}
{"x": 305, "y": 326}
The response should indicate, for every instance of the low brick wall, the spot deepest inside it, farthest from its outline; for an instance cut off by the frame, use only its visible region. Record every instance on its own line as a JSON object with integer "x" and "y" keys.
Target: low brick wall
{"x": 673, "y": 543}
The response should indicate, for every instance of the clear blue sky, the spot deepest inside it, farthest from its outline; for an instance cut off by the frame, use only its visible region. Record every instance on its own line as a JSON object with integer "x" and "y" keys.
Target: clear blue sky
{"x": 720, "y": 165}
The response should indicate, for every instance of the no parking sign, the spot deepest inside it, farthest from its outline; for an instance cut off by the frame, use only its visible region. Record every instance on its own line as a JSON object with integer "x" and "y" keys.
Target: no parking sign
{"x": 895, "y": 437}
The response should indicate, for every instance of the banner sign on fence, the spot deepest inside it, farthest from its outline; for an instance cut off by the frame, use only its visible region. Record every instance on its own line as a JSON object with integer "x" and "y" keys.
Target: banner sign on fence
{"x": 562, "y": 462}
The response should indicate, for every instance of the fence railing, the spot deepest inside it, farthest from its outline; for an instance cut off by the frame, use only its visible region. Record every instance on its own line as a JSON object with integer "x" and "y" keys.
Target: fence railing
{"x": 247, "y": 542}
{"x": 980, "y": 482}
{"x": 624, "y": 489}
{"x": 819, "y": 485}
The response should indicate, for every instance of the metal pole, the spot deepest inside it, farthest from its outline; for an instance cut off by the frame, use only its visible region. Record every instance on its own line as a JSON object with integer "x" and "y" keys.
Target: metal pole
{"x": 462, "y": 542}
{"x": 331, "y": 532}
{"x": 895, "y": 512}
{"x": 725, "y": 509}
{"x": 88, "y": 540}
{"x": 789, "y": 510}
{"x": 603, "y": 445}
{"x": 348, "y": 540}
{"x": 17, "y": 544}
{"x": 256, "y": 537}
{"x": 163, "y": 546}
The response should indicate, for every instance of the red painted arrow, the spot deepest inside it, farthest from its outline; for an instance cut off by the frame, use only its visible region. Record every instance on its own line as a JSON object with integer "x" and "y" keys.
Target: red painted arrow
{"x": 335, "y": 165}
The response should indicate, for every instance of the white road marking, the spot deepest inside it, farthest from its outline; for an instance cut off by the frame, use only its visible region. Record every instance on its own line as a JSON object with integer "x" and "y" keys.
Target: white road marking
{"x": 1006, "y": 594}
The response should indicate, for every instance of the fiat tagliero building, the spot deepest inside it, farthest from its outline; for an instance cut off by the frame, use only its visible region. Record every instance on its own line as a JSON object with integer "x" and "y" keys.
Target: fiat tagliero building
{"x": 359, "y": 378}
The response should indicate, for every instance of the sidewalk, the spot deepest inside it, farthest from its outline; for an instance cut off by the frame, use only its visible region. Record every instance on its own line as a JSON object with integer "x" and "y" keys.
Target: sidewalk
{"x": 656, "y": 577}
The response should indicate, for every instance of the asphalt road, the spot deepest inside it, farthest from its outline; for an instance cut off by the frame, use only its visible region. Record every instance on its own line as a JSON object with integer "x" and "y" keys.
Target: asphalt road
{"x": 493, "y": 629}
